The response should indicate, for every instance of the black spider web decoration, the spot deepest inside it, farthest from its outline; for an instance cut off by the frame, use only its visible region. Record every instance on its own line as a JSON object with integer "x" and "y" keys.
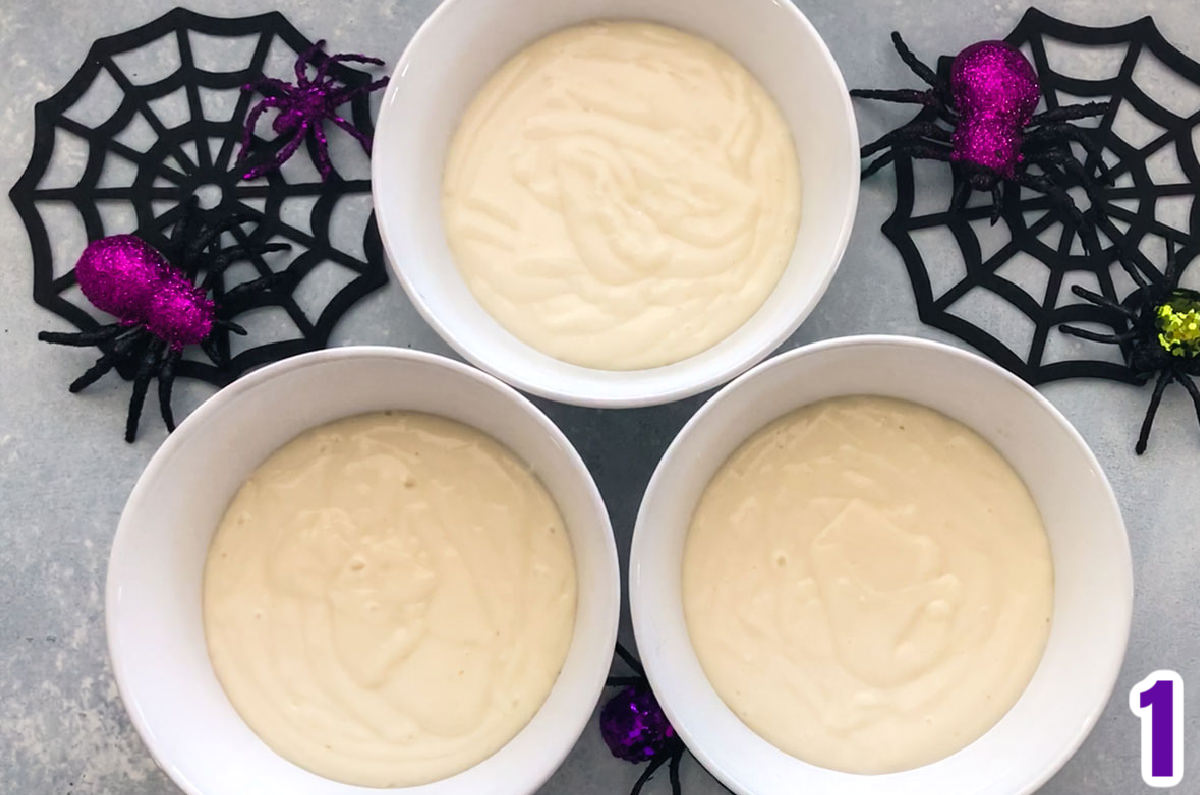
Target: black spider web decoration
{"x": 183, "y": 160}
{"x": 1129, "y": 204}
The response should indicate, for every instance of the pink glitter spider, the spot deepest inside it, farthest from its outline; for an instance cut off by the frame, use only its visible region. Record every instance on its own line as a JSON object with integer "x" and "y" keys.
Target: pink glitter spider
{"x": 303, "y": 109}
{"x": 992, "y": 134}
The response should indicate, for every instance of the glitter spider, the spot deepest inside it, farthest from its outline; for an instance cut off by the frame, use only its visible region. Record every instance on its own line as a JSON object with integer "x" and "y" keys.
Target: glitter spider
{"x": 304, "y": 108}
{"x": 635, "y": 728}
{"x": 994, "y": 136}
{"x": 159, "y": 309}
{"x": 1159, "y": 334}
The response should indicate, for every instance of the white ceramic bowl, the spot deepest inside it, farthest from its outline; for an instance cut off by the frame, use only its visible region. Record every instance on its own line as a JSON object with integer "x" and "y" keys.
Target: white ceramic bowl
{"x": 1093, "y": 577}
{"x": 465, "y": 41}
{"x": 154, "y": 591}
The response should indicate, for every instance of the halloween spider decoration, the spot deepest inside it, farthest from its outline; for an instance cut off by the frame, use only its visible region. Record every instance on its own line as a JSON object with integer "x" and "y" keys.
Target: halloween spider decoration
{"x": 304, "y": 108}
{"x": 635, "y": 728}
{"x": 159, "y": 309}
{"x": 988, "y": 101}
{"x": 1159, "y": 332}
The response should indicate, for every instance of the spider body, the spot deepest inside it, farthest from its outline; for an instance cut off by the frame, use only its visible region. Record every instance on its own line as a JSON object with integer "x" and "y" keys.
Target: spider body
{"x": 993, "y": 112}
{"x": 636, "y": 729}
{"x": 1158, "y": 331}
{"x": 303, "y": 109}
{"x": 128, "y": 278}
{"x": 160, "y": 311}
{"x": 989, "y": 131}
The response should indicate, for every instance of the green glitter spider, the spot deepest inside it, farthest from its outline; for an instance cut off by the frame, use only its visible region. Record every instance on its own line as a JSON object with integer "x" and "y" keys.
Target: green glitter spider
{"x": 1159, "y": 334}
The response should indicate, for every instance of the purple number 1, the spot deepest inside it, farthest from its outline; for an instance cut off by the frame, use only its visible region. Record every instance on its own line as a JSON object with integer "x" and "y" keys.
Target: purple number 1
{"x": 1158, "y": 701}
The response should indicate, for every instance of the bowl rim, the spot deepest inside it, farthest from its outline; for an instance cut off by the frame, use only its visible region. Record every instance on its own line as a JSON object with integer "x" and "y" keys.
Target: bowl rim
{"x": 118, "y": 655}
{"x": 635, "y": 398}
{"x": 1124, "y": 588}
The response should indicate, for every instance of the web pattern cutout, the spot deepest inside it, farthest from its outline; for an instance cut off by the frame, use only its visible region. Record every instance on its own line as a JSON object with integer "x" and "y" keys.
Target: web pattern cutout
{"x": 1131, "y": 206}
{"x": 183, "y": 154}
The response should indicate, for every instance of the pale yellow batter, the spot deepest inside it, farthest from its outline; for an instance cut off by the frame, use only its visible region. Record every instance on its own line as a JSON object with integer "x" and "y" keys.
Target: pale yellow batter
{"x": 622, "y": 195}
{"x": 867, "y": 584}
{"x": 389, "y": 599}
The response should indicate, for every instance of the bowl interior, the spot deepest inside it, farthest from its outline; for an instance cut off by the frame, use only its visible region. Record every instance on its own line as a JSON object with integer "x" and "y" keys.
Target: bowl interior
{"x": 1092, "y": 569}
{"x": 459, "y": 48}
{"x": 155, "y": 625}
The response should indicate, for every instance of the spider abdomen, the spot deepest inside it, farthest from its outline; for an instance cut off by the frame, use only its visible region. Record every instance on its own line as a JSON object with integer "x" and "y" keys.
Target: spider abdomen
{"x": 1177, "y": 321}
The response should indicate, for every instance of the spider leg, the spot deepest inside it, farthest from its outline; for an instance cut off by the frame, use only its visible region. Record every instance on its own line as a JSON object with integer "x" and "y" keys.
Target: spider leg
{"x": 223, "y": 259}
{"x": 340, "y": 94}
{"x": 1100, "y": 300}
{"x": 1164, "y": 378}
{"x": 1121, "y": 245}
{"x": 209, "y": 346}
{"x": 1190, "y": 385}
{"x": 972, "y": 176}
{"x": 1069, "y": 113}
{"x": 180, "y": 228}
{"x": 1045, "y": 185}
{"x": 239, "y": 298}
{"x": 361, "y": 137}
{"x": 120, "y": 350}
{"x": 166, "y": 380}
{"x": 82, "y": 339}
{"x": 878, "y": 163}
{"x": 1064, "y": 160}
{"x": 1060, "y": 155}
{"x": 913, "y": 131}
{"x": 306, "y": 58}
{"x": 1057, "y": 162}
{"x": 228, "y": 223}
{"x": 919, "y": 69}
{"x": 913, "y": 95}
{"x": 324, "y": 166}
{"x": 630, "y": 660}
{"x": 350, "y": 92}
{"x": 94, "y": 373}
{"x": 928, "y": 98}
{"x": 277, "y": 87}
{"x": 205, "y": 237}
{"x": 279, "y": 157}
{"x": 251, "y": 120}
{"x": 238, "y": 253}
{"x": 654, "y": 765}
{"x": 1172, "y": 271}
{"x": 141, "y": 383}
{"x": 230, "y": 326}
{"x": 962, "y": 192}
{"x": 330, "y": 61}
{"x": 291, "y": 146}
{"x": 913, "y": 150}
{"x": 216, "y": 266}
{"x": 676, "y": 758}
{"x": 1096, "y": 336}
{"x": 1059, "y": 134}
{"x": 347, "y": 93}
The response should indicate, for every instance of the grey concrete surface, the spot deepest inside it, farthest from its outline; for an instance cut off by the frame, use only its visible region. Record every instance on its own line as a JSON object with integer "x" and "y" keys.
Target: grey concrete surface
{"x": 64, "y": 472}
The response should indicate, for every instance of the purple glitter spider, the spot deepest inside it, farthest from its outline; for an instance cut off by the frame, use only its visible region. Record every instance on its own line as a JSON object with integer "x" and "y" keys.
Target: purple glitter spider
{"x": 303, "y": 109}
{"x": 989, "y": 103}
{"x": 636, "y": 729}
{"x": 159, "y": 310}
